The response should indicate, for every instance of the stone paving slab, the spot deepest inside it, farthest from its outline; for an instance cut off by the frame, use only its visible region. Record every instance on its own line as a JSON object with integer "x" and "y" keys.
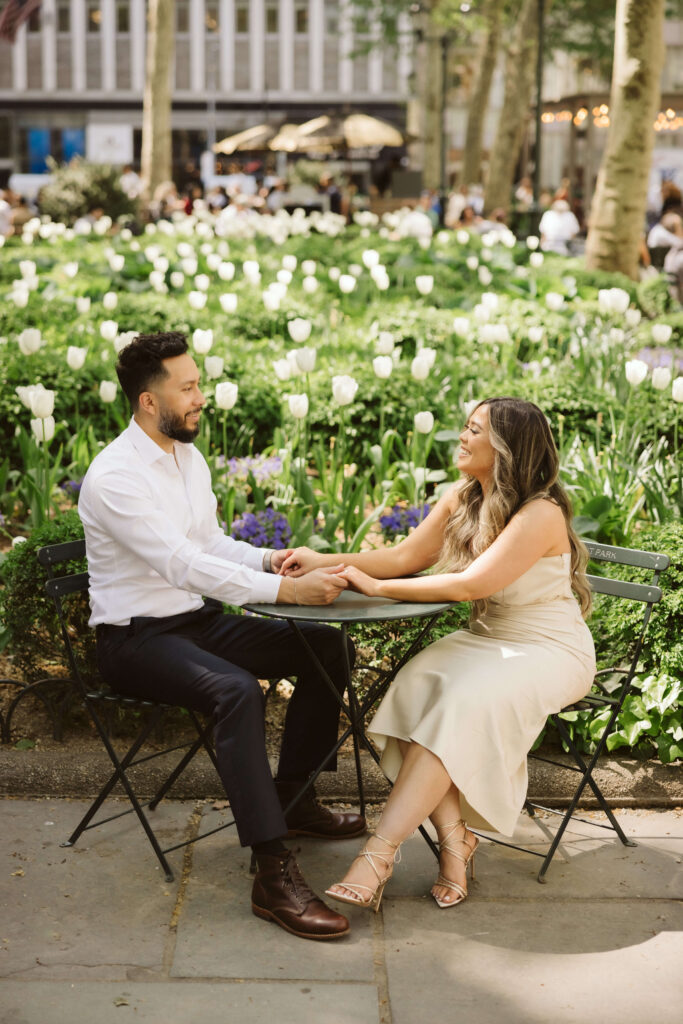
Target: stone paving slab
{"x": 178, "y": 1003}
{"x": 219, "y": 937}
{"x": 93, "y": 909}
{"x": 590, "y": 860}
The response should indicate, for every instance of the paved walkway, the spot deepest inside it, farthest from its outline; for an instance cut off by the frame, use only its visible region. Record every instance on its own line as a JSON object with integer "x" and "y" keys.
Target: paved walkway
{"x": 95, "y": 933}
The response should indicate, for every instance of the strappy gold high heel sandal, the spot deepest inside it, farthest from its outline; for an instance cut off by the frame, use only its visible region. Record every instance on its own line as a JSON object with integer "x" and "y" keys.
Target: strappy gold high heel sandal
{"x": 444, "y": 882}
{"x": 374, "y": 898}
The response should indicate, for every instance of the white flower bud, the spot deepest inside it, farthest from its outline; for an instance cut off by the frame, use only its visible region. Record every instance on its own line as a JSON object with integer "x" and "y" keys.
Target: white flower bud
{"x": 424, "y": 283}
{"x": 383, "y": 365}
{"x": 299, "y": 330}
{"x": 661, "y": 333}
{"x": 305, "y": 358}
{"x": 344, "y": 389}
{"x": 226, "y": 394}
{"x": 424, "y": 422}
{"x": 228, "y": 302}
{"x": 213, "y": 366}
{"x": 75, "y": 357}
{"x": 298, "y": 406}
{"x": 107, "y": 391}
{"x": 109, "y": 329}
{"x": 43, "y": 428}
{"x": 661, "y": 378}
{"x": 636, "y": 371}
{"x": 202, "y": 341}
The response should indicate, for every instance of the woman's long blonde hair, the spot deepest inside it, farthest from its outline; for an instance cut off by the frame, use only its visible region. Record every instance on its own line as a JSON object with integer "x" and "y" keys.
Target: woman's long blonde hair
{"x": 526, "y": 467}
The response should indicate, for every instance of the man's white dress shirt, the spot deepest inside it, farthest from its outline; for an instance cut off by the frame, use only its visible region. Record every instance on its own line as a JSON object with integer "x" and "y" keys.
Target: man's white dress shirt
{"x": 153, "y": 542}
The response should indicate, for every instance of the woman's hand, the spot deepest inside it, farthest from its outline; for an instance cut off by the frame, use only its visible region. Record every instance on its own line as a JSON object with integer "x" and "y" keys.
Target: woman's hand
{"x": 278, "y": 557}
{"x": 300, "y": 561}
{"x": 360, "y": 581}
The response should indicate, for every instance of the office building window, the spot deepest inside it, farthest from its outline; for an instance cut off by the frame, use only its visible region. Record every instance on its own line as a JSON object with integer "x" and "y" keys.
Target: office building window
{"x": 33, "y": 23}
{"x": 64, "y": 18}
{"x": 301, "y": 19}
{"x": 123, "y": 17}
{"x": 272, "y": 19}
{"x": 212, "y": 17}
{"x": 182, "y": 17}
{"x": 242, "y": 19}
{"x": 94, "y": 22}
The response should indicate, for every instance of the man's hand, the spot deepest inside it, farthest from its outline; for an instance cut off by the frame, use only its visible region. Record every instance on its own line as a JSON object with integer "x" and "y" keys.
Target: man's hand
{"x": 278, "y": 557}
{"x": 299, "y": 562}
{"x": 321, "y": 586}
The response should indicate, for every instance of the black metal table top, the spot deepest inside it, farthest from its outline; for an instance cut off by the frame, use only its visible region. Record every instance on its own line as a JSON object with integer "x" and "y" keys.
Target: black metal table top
{"x": 351, "y": 607}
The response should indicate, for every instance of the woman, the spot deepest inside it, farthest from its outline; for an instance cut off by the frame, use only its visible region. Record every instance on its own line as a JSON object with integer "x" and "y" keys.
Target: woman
{"x": 455, "y": 727}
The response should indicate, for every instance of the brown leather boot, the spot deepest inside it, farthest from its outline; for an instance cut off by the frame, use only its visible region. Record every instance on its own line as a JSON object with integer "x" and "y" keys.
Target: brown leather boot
{"x": 280, "y": 894}
{"x": 310, "y": 818}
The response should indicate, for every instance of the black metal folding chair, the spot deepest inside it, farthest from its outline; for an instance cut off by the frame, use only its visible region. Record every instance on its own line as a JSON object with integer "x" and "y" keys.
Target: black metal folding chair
{"x": 601, "y": 697}
{"x": 74, "y": 586}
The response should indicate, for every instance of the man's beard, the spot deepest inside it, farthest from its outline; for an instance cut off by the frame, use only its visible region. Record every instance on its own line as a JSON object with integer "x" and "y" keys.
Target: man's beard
{"x": 173, "y": 425}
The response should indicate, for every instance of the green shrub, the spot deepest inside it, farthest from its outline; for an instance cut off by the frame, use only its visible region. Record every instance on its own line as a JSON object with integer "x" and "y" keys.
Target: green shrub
{"x": 78, "y": 187}
{"x": 33, "y": 637}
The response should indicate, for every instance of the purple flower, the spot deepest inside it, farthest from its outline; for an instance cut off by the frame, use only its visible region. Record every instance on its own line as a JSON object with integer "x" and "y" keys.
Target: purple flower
{"x": 401, "y": 519}
{"x": 263, "y": 529}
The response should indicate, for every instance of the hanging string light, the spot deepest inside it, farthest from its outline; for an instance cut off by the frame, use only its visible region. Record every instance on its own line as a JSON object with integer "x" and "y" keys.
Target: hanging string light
{"x": 668, "y": 120}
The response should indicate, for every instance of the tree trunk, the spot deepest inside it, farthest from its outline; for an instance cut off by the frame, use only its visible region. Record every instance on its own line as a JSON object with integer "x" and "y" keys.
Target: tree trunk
{"x": 519, "y": 77}
{"x": 471, "y": 167}
{"x": 618, "y": 210}
{"x": 432, "y": 93}
{"x": 156, "y": 162}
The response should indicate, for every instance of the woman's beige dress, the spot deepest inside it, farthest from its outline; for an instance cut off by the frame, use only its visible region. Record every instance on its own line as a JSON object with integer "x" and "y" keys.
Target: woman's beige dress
{"x": 479, "y": 698}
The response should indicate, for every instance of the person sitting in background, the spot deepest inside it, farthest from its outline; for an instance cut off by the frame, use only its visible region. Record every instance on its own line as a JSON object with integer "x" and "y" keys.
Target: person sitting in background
{"x": 672, "y": 202}
{"x": 558, "y": 227}
{"x": 5, "y": 215}
{"x": 673, "y": 261}
{"x": 666, "y": 232}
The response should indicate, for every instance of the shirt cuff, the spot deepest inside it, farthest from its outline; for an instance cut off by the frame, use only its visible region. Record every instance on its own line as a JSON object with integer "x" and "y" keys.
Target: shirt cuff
{"x": 265, "y": 588}
{"x": 253, "y": 558}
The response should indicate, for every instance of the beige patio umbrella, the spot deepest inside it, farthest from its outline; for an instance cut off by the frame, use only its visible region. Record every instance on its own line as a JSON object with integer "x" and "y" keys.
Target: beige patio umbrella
{"x": 256, "y": 137}
{"x": 328, "y": 133}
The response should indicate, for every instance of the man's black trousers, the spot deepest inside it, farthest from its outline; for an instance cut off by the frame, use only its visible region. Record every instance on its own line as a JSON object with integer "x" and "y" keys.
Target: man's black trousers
{"x": 211, "y": 662}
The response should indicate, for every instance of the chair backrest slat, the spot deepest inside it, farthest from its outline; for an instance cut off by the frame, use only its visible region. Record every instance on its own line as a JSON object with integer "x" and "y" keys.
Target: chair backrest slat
{"x": 627, "y": 556}
{"x": 53, "y": 554}
{"x": 623, "y": 588}
{"x": 60, "y": 586}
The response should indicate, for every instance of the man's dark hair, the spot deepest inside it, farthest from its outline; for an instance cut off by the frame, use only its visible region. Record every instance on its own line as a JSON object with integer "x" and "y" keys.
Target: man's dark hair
{"x": 140, "y": 364}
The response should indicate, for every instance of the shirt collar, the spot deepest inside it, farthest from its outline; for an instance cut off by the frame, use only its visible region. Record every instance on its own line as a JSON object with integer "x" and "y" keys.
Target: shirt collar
{"x": 148, "y": 449}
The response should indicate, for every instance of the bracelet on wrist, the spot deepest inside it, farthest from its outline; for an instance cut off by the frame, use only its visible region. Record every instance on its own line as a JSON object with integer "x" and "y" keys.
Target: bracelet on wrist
{"x": 267, "y": 559}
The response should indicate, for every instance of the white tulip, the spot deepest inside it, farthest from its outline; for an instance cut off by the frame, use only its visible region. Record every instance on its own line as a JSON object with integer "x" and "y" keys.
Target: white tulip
{"x": 158, "y": 281}
{"x": 29, "y": 341}
{"x": 284, "y": 276}
{"x": 305, "y": 359}
{"x": 616, "y": 336}
{"x": 355, "y": 269}
{"x": 536, "y": 259}
{"x": 370, "y": 258}
{"x": 535, "y": 335}
{"x": 161, "y": 264}
{"x": 636, "y": 371}
{"x": 424, "y": 422}
{"x": 344, "y": 389}
{"x": 294, "y": 368}
{"x": 661, "y": 378}
{"x": 472, "y": 262}
{"x": 420, "y": 368}
{"x": 16, "y": 541}
{"x": 70, "y": 269}
{"x": 461, "y": 326}
{"x": 43, "y": 428}
{"x": 83, "y": 304}
{"x": 429, "y": 354}
{"x": 283, "y": 369}
{"x": 109, "y": 329}
{"x": 226, "y": 271}
{"x": 202, "y": 282}
{"x": 661, "y": 333}
{"x": 213, "y": 366}
{"x": 491, "y": 301}
{"x": 334, "y": 273}
{"x": 309, "y": 267}
{"x": 42, "y": 403}
{"x": 213, "y": 261}
{"x": 27, "y": 268}
{"x": 226, "y": 394}
{"x": 677, "y": 389}
{"x": 382, "y": 282}
{"x": 382, "y": 365}
{"x": 289, "y": 262}
{"x": 488, "y": 333}
{"x": 424, "y": 283}
{"x": 19, "y": 296}
{"x": 310, "y": 285}
{"x": 75, "y": 357}
{"x": 107, "y": 391}
{"x": 385, "y": 343}
{"x": 25, "y": 393}
{"x": 202, "y": 341}
{"x": 184, "y": 250}
{"x": 189, "y": 265}
{"x": 554, "y": 301}
{"x": 633, "y": 317}
{"x": 470, "y": 406}
{"x": 228, "y": 302}
{"x": 298, "y": 406}
{"x": 251, "y": 269}
{"x": 117, "y": 262}
{"x": 299, "y": 330}
{"x": 123, "y": 339}
{"x": 271, "y": 300}
{"x": 462, "y": 236}
{"x": 110, "y": 301}
{"x": 347, "y": 283}
{"x": 177, "y": 279}
{"x": 485, "y": 276}
{"x": 533, "y": 242}
{"x": 197, "y": 300}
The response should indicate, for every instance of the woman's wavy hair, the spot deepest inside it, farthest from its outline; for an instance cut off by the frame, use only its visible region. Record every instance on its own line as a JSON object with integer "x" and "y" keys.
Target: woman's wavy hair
{"x": 526, "y": 466}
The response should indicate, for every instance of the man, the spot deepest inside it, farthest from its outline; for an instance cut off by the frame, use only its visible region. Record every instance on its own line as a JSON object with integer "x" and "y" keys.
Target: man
{"x": 673, "y": 261}
{"x": 159, "y": 569}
